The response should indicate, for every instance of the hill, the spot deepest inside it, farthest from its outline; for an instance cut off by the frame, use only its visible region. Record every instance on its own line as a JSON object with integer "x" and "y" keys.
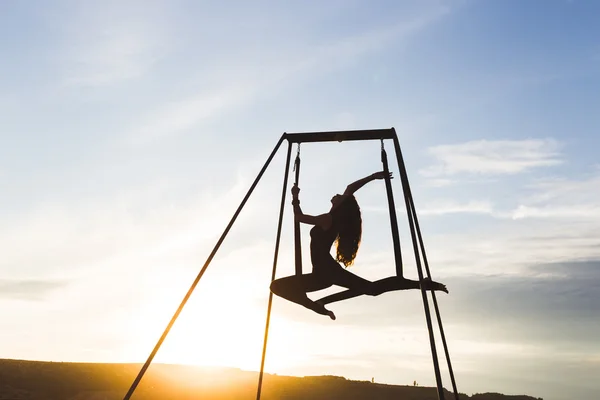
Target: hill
{"x": 35, "y": 380}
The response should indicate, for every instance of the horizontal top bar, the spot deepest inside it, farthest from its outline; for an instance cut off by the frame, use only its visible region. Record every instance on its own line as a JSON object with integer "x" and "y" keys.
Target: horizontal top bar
{"x": 340, "y": 136}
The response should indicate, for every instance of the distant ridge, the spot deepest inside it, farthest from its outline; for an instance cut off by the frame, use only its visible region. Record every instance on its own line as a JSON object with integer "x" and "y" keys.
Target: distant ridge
{"x": 45, "y": 380}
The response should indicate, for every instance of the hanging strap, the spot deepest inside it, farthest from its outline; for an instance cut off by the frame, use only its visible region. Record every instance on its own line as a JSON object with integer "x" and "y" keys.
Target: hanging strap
{"x": 393, "y": 219}
{"x": 297, "y": 236}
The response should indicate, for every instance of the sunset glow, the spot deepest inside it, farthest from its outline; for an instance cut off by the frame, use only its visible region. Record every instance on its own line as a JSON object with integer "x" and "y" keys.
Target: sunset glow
{"x": 132, "y": 130}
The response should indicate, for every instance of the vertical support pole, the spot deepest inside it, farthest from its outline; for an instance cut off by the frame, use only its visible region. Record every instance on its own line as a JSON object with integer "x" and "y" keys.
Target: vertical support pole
{"x": 195, "y": 283}
{"x": 404, "y": 178}
{"x": 277, "y": 240}
{"x": 435, "y": 303}
{"x": 393, "y": 217}
{"x": 297, "y": 235}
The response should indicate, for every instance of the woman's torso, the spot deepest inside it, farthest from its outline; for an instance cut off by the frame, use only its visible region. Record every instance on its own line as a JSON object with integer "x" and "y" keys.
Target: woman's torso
{"x": 320, "y": 245}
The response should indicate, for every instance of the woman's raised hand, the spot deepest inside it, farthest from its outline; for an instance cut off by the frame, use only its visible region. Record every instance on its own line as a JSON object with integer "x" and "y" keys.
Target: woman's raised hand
{"x": 382, "y": 175}
{"x": 295, "y": 190}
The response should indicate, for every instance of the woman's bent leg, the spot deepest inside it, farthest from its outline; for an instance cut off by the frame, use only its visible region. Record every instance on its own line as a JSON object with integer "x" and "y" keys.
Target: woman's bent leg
{"x": 295, "y": 287}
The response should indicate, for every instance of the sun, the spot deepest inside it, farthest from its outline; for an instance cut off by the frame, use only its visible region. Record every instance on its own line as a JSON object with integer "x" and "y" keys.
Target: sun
{"x": 212, "y": 330}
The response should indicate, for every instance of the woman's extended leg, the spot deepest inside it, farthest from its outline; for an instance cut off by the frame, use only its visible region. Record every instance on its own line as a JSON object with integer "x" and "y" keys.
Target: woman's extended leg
{"x": 382, "y": 286}
{"x": 295, "y": 287}
{"x": 342, "y": 277}
{"x": 401, "y": 283}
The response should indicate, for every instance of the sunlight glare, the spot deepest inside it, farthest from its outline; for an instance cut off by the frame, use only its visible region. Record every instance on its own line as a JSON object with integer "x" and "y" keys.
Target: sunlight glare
{"x": 214, "y": 329}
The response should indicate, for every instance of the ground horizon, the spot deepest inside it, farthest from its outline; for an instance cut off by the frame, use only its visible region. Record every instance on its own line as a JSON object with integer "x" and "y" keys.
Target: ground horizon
{"x": 174, "y": 373}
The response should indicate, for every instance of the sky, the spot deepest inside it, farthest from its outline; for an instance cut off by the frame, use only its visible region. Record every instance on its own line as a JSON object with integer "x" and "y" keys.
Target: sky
{"x": 131, "y": 131}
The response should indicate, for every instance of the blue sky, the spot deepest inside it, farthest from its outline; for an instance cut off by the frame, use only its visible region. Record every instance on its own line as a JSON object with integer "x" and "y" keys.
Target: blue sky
{"x": 131, "y": 131}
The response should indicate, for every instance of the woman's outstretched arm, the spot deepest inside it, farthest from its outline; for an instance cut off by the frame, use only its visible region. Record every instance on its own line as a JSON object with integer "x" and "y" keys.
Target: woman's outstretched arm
{"x": 323, "y": 220}
{"x": 354, "y": 186}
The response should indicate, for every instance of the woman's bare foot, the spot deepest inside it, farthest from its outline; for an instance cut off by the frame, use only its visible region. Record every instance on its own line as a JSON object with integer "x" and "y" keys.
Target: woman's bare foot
{"x": 331, "y": 315}
{"x": 428, "y": 284}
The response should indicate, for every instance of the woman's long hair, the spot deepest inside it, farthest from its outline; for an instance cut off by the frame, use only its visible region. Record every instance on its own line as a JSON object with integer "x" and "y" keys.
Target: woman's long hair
{"x": 348, "y": 220}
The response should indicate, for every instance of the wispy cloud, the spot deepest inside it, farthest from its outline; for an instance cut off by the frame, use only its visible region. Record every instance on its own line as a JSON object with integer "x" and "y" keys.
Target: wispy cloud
{"x": 523, "y": 234}
{"x": 574, "y": 211}
{"x": 451, "y": 207}
{"x": 70, "y": 239}
{"x": 548, "y": 198}
{"x": 493, "y": 157}
{"x": 562, "y": 198}
{"x": 444, "y": 207}
{"x": 565, "y": 190}
{"x": 186, "y": 113}
{"x": 111, "y": 43}
{"x": 269, "y": 71}
{"x": 561, "y": 295}
{"x": 28, "y": 289}
{"x": 512, "y": 247}
{"x": 555, "y": 210}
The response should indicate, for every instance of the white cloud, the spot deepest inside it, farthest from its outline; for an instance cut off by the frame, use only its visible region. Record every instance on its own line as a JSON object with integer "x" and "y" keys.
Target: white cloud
{"x": 269, "y": 71}
{"x": 184, "y": 114}
{"x": 575, "y": 211}
{"x": 567, "y": 191}
{"x": 568, "y": 200}
{"x": 440, "y": 182}
{"x": 65, "y": 240}
{"x": 512, "y": 247}
{"x": 493, "y": 157}
{"x": 112, "y": 42}
{"x": 450, "y": 207}
{"x": 557, "y": 221}
{"x": 337, "y": 54}
{"x": 442, "y": 207}
{"x": 562, "y": 198}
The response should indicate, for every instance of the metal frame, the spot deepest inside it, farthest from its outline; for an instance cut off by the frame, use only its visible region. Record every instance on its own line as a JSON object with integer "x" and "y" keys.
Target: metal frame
{"x": 416, "y": 236}
{"x": 340, "y": 136}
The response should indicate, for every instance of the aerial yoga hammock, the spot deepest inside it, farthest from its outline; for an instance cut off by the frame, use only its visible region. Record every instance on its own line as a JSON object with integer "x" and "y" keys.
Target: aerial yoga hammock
{"x": 340, "y": 225}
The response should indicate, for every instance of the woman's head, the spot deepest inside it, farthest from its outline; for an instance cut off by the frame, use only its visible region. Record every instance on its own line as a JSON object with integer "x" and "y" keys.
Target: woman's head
{"x": 347, "y": 219}
{"x": 336, "y": 199}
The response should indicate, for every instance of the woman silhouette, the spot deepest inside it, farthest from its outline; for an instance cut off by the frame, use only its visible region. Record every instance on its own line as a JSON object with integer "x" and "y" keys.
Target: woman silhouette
{"x": 342, "y": 225}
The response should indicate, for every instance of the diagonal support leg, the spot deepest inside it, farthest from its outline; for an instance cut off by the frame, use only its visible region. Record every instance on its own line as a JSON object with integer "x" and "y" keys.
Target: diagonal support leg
{"x": 411, "y": 222}
{"x": 435, "y": 303}
{"x": 195, "y": 283}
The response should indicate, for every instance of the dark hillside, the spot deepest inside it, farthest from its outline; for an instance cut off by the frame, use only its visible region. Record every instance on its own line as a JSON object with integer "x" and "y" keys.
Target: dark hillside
{"x": 90, "y": 381}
